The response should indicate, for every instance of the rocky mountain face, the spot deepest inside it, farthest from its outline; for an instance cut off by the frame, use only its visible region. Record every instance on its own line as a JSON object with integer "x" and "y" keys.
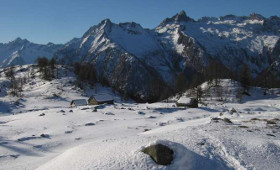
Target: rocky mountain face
{"x": 21, "y": 51}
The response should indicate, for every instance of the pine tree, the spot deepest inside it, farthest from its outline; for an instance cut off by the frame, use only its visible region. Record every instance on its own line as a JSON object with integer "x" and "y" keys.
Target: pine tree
{"x": 246, "y": 77}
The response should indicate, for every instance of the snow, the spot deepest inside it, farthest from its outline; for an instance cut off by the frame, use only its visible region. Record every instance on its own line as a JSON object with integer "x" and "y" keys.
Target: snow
{"x": 45, "y": 133}
{"x": 184, "y": 100}
{"x": 79, "y": 102}
{"x": 135, "y": 39}
{"x": 103, "y": 97}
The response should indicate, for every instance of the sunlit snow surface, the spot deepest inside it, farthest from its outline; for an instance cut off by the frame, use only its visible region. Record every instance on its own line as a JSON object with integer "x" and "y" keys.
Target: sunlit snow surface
{"x": 113, "y": 136}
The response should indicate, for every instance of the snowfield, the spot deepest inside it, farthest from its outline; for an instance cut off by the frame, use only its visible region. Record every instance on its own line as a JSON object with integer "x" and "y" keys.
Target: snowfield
{"x": 45, "y": 133}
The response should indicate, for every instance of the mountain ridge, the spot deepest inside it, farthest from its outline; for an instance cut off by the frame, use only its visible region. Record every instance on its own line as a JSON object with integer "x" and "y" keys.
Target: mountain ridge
{"x": 21, "y": 51}
{"x": 179, "y": 46}
{"x": 131, "y": 58}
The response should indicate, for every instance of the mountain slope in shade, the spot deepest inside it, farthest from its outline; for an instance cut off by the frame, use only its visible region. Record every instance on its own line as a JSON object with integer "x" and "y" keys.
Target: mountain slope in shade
{"x": 129, "y": 57}
{"x": 21, "y": 51}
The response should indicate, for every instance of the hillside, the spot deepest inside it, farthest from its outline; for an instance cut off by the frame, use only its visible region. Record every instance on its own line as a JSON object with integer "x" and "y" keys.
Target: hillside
{"x": 39, "y": 94}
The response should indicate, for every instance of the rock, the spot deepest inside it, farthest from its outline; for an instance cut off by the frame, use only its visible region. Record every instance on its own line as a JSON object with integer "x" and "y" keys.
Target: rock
{"x": 89, "y": 124}
{"x": 70, "y": 110}
{"x": 141, "y": 113}
{"x": 145, "y": 130}
{"x": 201, "y": 143}
{"x": 161, "y": 154}
{"x": 271, "y": 122}
{"x": 215, "y": 119}
{"x": 180, "y": 119}
{"x": 270, "y": 135}
{"x": 241, "y": 126}
{"x": 45, "y": 135}
{"x": 227, "y": 120}
{"x": 232, "y": 110}
{"x": 162, "y": 124}
{"x": 187, "y": 102}
{"x": 151, "y": 117}
{"x": 42, "y": 114}
{"x": 109, "y": 113}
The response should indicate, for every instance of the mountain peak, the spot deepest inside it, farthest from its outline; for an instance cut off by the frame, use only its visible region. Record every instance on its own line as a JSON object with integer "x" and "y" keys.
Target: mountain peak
{"x": 182, "y": 17}
{"x": 105, "y": 22}
{"x": 20, "y": 40}
{"x": 255, "y": 16}
{"x": 179, "y": 17}
{"x": 182, "y": 13}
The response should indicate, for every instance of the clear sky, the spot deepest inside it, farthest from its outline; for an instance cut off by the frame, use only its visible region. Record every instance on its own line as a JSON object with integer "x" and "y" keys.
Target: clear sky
{"x": 58, "y": 21}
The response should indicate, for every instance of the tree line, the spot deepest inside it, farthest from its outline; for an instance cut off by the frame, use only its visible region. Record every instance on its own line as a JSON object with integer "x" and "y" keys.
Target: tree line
{"x": 85, "y": 72}
{"x": 46, "y": 68}
{"x": 212, "y": 74}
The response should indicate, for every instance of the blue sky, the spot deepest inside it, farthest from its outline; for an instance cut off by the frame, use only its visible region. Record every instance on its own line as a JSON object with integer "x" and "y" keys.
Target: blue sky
{"x": 58, "y": 21}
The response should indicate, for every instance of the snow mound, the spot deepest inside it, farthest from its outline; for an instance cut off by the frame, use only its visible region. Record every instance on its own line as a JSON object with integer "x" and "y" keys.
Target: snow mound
{"x": 126, "y": 154}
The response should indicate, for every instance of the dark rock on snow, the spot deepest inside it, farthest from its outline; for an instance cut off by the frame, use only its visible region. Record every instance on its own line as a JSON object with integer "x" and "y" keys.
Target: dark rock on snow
{"x": 161, "y": 154}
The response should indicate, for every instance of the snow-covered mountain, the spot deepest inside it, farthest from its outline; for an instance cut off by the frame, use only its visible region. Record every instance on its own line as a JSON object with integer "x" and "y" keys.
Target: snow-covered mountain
{"x": 146, "y": 62}
{"x": 233, "y": 40}
{"x": 128, "y": 57}
{"x": 21, "y": 51}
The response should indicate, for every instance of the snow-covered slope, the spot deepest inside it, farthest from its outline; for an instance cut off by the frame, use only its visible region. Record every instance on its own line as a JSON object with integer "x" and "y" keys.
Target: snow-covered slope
{"x": 39, "y": 94}
{"x": 21, "y": 51}
{"x": 41, "y": 131}
{"x": 112, "y": 136}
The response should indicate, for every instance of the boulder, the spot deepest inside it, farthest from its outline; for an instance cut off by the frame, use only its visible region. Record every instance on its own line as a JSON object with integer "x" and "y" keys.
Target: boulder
{"x": 161, "y": 154}
{"x": 187, "y": 102}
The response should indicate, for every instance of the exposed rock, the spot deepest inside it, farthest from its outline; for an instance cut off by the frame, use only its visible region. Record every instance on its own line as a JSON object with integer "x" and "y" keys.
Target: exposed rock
{"x": 161, "y": 154}
{"x": 109, "y": 113}
{"x": 45, "y": 135}
{"x": 227, "y": 120}
{"x": 232, "y": 110}
{"x": 141, "y": 113}
{"x": 42, "y": 114}
{"x": 90, "y": 124}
